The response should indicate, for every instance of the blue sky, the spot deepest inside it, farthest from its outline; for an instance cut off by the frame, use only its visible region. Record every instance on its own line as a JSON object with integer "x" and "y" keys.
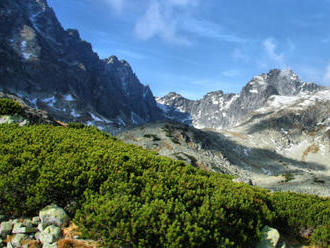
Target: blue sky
{"x": 197, "y": 46}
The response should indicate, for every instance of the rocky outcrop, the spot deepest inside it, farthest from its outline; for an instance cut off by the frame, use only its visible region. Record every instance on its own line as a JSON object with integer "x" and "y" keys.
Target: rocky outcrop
{"x": 218, "y": 110}
{"x": 48, "y": 230}
{"x": 27, "y": 115}
{"x": 56, "y": 71}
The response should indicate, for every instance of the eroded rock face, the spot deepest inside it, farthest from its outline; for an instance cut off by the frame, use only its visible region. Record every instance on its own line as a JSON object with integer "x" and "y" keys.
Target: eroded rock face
{"x": 218, "y": 110}
{"x": 58, "y": 72}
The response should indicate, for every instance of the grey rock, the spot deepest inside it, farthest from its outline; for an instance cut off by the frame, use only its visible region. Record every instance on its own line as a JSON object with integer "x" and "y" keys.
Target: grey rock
{"x": 50, "y": 235}
{"x": 27, "y": 223}
{"x": 243, "y": 180}
{"x": 270, "y": 238}
{"x": 17, "y": 240}
{"x": 42, "y": 226}
{"x": 36, "y": 220}
{"x": 54, "y": 215}
{"x": 20, "y": 228}
{"x": 37, "y": 235}
{"x": 6, "y": 228}
{"x": 10, "y": 245}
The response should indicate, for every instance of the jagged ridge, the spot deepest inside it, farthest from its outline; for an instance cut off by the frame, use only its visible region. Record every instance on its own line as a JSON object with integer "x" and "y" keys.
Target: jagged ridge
{"x": 59, "y": 72}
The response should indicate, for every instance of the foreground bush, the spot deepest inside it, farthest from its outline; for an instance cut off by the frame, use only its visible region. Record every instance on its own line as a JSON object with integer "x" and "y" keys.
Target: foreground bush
{"x": 9, "y": 107}
{"x": 127, "y": 196}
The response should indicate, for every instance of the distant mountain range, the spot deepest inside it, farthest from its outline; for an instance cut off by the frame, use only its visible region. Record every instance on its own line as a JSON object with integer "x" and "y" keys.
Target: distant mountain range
{"x": 218, "y": 110}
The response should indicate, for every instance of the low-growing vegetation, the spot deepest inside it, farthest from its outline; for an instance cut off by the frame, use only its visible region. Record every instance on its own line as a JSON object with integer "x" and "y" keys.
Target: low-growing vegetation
{"x": 9, "y": 107}
{"x": 126, "y": 196}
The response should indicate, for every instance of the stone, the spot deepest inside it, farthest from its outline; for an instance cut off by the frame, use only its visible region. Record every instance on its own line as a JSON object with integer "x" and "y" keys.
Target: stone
{"x": 270, "y": 238}
{"x": 36, "y": 220}
{"x": 54, "y": 245}
{"x": 17, "y": 240}
{"x": 31, "y": 244}
{"x": 10, "y": 245}
{"x": 27, "y": 223}
{"x": 6, "y": 228}
{"x": 282, "y": 244}
{"x": 20, "y": 228}
{"x": 41, "y": 227}
{"x": 54, "y": 215}
{"x": 37, "y": 235}
{"x": 243, "y": 180}
{"x": 50, "y": 235}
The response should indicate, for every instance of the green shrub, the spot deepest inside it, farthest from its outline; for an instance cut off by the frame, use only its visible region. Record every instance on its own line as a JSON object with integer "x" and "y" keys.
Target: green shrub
{"x": 297, "y": 213}
{"x": 77, "y": 125}
{"x": 124, "y": 195}
{"x": 9, "y": 107}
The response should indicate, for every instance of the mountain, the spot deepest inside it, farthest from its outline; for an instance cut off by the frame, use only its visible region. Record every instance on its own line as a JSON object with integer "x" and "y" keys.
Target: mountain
{"x": 276, "y": 132}
{"x": 284, "y": 146}
{"x": 218, "y": 110}
{"x": 55, "y": 70}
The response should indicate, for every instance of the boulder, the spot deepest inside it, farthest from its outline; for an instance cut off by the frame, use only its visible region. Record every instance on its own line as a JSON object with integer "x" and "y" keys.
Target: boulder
{"x": 18, "y": 239}
{"x": 6, "y": 228}
{"x": 54, "y": 215}
{"x": 50, "y": 235}
{"x": 243, "y": 180}
{"x": 269, "y": 238}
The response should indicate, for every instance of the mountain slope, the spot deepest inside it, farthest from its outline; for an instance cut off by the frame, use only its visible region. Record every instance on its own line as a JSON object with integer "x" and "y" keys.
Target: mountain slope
{"x": 284, "y": 145}
{"x": 218, "y": 110}
{"x": 57, "y": 71}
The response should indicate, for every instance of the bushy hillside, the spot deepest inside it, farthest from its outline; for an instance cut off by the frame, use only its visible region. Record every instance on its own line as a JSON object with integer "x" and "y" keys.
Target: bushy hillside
{"x": 126, "y": 196}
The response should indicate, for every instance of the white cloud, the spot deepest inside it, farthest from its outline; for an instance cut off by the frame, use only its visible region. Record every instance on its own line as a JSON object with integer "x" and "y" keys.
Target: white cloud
{"x": 173, "y": 21}
{"x": 270, "y": 48}
{"x": 204, "y": 28}
{"x": 159, "y": 20}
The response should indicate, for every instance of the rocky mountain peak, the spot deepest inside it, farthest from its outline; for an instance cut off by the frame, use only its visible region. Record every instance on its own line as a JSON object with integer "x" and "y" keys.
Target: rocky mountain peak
{"x": 58, "y": 72}
{"x": 219, "y": 110}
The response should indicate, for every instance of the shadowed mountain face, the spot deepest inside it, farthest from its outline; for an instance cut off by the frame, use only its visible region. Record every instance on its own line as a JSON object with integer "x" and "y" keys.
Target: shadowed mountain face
{"x": 218, "y": 110}
{"x": 59, "y": 72}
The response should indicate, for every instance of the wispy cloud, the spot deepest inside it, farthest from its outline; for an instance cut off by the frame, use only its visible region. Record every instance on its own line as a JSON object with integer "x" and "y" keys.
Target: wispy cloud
{"x": 159, "y": 20}
{"x": 270, "y": 48}
{"x": 204, "y": 28}
{"x": 173, "y": 21}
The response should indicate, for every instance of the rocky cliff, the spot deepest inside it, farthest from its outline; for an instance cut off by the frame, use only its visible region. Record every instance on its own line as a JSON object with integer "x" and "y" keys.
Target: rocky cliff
{"x": 57, "y": 71}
